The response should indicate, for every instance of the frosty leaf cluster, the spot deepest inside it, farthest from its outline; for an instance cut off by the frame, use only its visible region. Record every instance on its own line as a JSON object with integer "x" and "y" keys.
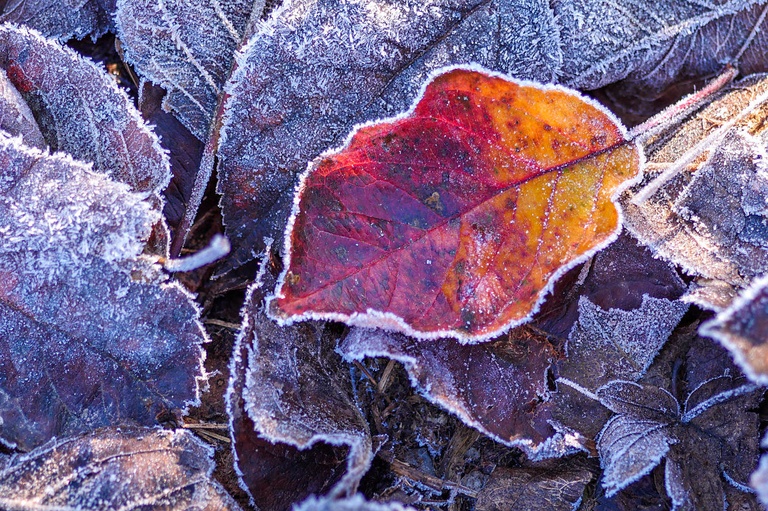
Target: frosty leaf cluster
{"x": 453, "y": 281}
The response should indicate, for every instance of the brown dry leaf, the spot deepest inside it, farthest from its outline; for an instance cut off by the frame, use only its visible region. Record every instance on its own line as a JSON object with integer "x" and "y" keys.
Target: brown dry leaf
{"x": 548, "y": 488}
{"x": 293, "y": 417}
{"x": 703, "y": 203}
{"x": 115, "y": 468}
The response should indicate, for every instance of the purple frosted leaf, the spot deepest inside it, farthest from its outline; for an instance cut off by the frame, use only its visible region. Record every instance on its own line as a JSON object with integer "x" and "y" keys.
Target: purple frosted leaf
{"x": 316, "y": 68}
{"x": 91, "y": 334}
{"x": 188, "y": 48}
{"x": 498, "y": 387}
{"x": 111, "y": 468}
{"x": 81, "y": 111}
{"x": 185, "y": 152}
{"x": 61, "y": 19}
{"x": 617, "y": 344}
{"x": 606, "y": 345}
{"x": 620, "y": 276}
{"x": 293, "y": 419}
{"x": 626, "y": 397}
{"x": 649, "y": 47}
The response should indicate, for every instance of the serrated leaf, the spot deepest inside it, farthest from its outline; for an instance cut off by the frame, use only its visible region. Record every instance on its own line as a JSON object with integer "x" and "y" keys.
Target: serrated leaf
{"x": 743, "y": 330}
{"x": 91, "y": 334}
{"x": 709, "y": 444}
{"x": 702, "y": 204}
{"x": 498, "y": 387}
{"x": 607, "y": 345}
{"x": 61, "y": 19}
{"x": 289, "y": 388}
{"x": 455, "y": 218}
{"x": 81, "y": 111}
{"x": 115, "y": 469}
{"x": 630, "y": 449}
{"x": 316, "y": 68}
{"x": 617, "y": 344}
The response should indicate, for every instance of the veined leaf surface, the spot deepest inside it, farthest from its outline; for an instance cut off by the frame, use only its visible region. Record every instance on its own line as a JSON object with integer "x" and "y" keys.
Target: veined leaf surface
{"x": 455, "y": 218}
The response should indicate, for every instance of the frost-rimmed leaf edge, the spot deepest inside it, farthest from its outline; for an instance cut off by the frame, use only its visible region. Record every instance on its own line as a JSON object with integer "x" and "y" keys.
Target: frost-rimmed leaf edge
{"x": 352, "y": 473}
{"x": 373, "y": 318}
{"x": 711, "y": 328}
{"x": 564, "y": 441}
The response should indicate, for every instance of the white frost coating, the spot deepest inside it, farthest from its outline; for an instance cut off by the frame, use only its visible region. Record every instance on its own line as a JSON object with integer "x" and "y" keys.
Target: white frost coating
{"x": 389, "y": 321}
{"x": 186, "y": 48}
{"x": 60, "y": 19}
{"x": 718, "y": 330}
{"x": 99, "y": 124}
{"x": 691, "y": 414}
{"x": 302, "y": 427}
{"x": 75, "y": 213}
{"x": 625, "y": 342}
{"x": 115, "y": 468}
{"x": 233, "y": 393}
{"x": 603, "y": 43}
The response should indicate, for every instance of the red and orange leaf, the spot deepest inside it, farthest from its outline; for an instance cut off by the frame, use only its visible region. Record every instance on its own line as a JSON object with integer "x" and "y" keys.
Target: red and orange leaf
{"x": 455, "y": 218}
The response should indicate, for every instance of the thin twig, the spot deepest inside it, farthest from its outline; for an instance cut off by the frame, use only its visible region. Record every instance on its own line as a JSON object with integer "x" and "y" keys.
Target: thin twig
{"x": 225, "y": 324}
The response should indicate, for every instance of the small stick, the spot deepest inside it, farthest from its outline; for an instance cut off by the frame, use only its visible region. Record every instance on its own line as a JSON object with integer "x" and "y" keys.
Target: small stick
{"x": 225, "y": 324}
{"x": 405, "y": 470}
{"x": 204, "y": 425}
{"x": 660, "y": 121}
{"x": 384, "y": 380}
{"x": 366, "y": 372}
